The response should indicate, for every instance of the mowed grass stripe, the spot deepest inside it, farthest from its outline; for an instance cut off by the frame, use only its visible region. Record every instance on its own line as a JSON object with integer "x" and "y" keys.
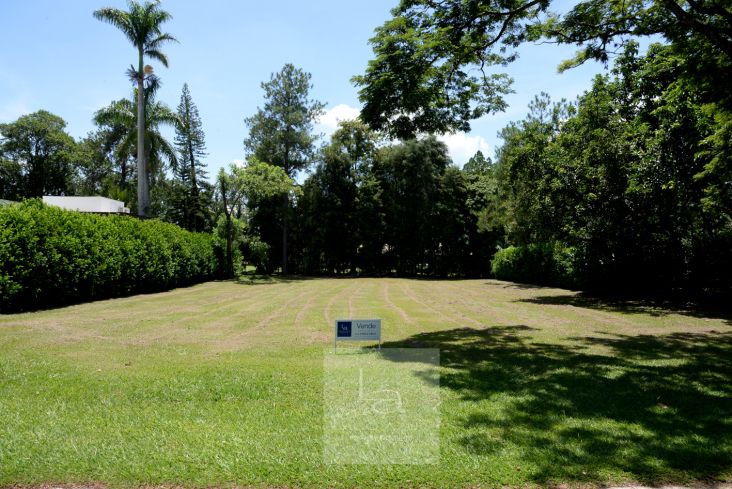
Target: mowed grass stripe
{"x": 221, "y": 384}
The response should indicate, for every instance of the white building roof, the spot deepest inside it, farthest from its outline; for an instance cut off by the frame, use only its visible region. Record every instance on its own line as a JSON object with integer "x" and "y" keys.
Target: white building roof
{"x": 87, "y": 204}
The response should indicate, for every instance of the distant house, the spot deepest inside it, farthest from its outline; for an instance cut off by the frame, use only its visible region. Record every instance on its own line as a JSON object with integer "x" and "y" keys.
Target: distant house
{"x": 6, "y": 202}
{"x": 97, "y": 205}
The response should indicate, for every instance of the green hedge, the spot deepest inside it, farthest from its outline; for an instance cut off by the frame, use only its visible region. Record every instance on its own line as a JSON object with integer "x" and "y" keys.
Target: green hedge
{"x": 539, "y": 263}
{"x": 51, "y": 257}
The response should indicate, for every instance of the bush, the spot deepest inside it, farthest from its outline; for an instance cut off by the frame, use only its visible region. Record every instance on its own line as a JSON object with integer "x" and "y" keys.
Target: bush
{"x": 539, "y": 263}
{"x": 51, "y": 257}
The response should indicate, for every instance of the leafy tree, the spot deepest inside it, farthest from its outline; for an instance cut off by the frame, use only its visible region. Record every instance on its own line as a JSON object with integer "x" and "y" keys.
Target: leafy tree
{"x": 38, "y": 156}
{"x": 11, "y": 180}
{"x": 452, "y": 222}
{"x": 524, "y": 174}
{"x": 142, "y": 25}
{"x": 402, "y": 208}
{"x": 240, "y": 186}
{"x": 602, "y": 26}
{"x": 410, "y": 175}
{"x": 486, "y": 209}
{"x": 335, "y": 224}
{"x": 280, "y": 133}
{"x": 620, "y": 189}
{"x": 433, "y": 70}
{"x": 191, "y": 173}
{"x": 433, "y": 61}
{"x": 110, "y": 139}
{"x": 478, "y": 164}
{"x": 95, "y": 164}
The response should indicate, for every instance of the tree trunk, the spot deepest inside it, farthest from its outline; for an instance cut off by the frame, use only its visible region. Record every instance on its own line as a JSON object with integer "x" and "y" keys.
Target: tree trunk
{"x": 193, "y": 209}
{"x": 285, "y": 212}
{"x": 123, "y": 174}
{"x": 143, "y": 189}
{"x": 285, "y": 209}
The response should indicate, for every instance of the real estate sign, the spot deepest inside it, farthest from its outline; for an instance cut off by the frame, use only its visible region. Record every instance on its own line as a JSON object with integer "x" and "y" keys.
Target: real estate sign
{"x": 358, "y": 330}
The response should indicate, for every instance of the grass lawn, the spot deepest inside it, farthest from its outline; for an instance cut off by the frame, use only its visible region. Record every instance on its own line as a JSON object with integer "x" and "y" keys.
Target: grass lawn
{"x": 222, "y": 384}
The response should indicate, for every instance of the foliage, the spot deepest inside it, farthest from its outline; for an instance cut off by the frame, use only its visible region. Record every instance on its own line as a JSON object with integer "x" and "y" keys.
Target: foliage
{"x": 601, "y": 26}
{"x": 280, "y": 134}
{"x": 51, "y": 257}
{"x": 237, "y": 191}
{"x": 119, "y": 119}
{"x": 37, "y": 157}
{"x": 432, "y": 71}
{"x": 404, "y": 208}
{"x": 627, "y": 177}
{"x": 410, "y": 175}
{"x": 433, "y": 62}
{"x": 191, "y": 204}
{"x": 96, "y": 166}
{"x": 142, "y": 25}
{"x": 336, "y": 221}
{"x": 537, "y": 263}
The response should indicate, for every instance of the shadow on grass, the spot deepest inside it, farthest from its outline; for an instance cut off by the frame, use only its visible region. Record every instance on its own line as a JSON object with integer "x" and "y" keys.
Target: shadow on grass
{"x": 260, "y": 279}
{"x": 717, "y": 310}
{"x": 653, "y": 409}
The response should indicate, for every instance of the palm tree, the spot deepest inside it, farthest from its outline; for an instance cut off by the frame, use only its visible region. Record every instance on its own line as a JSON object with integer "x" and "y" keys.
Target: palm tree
{"x": 120, "y": 118}
{"x": 142, "y": 25}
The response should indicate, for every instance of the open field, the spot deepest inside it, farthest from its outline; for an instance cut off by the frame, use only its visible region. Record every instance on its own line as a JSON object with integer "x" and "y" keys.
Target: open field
{"x": 222, "y": 384}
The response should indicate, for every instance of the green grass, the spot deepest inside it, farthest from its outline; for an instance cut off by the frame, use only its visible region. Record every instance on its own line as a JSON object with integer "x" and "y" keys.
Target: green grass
{"x": 221, "y": 384}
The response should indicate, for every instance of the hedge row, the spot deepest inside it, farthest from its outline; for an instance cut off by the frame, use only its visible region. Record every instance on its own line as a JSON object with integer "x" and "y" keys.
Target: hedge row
{"x": 540, "y": 263}
{"x": 51, "y": 257}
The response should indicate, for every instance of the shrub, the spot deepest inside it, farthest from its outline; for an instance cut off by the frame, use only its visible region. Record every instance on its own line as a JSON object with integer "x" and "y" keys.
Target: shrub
{"x": 50, "y": 257}
{"x": 538, "y": 263}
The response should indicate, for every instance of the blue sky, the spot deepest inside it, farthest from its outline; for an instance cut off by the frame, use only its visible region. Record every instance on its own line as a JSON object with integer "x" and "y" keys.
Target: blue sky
{"x": 57, "y": 57}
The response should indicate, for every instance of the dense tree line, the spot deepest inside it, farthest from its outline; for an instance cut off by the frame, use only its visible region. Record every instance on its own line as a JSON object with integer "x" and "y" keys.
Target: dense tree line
{"x": 402, "y": 208}
{"x": 631, "y": 179}
{"x": 628, "y": 187}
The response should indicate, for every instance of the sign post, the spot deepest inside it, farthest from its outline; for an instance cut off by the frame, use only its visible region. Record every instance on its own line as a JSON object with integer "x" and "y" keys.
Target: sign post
{"x": 357, "y": 330}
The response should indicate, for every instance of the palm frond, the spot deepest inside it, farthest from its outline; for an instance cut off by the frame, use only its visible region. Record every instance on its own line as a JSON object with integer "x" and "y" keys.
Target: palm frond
{"x": 132, "y": 74}
{"x": 163, "y": 114}
{"x": 118, "y": 18}
{"x": 118, "y": 113}
{"x": 158, "y": 55}
{"x": 156, "y": 43}
{"x": 167, "y": 151}
{"x": 152, "y": 84}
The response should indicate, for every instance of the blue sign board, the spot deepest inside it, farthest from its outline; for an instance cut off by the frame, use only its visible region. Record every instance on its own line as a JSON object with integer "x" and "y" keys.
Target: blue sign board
{"x": 357, "y": 330}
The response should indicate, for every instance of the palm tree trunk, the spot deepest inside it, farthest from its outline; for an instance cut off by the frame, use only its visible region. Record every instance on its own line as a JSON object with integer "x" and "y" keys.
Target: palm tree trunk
{"x": 143, "y": 189}
{"x": 229, "y": 237}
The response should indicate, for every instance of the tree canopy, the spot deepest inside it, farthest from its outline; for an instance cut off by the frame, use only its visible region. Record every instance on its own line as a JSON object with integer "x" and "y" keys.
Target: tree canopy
{"x": 37, "y": 156}
{"x": 437, "y": 65}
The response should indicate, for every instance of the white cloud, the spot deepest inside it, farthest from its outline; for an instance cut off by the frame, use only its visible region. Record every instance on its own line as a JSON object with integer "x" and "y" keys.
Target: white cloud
{"x": 238, "y": 162}
{"x": 328, "y": 122}
{"x": 462, "y": 147}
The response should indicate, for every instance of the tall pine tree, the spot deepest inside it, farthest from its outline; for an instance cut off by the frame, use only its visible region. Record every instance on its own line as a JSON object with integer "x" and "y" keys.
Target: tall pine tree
{"x": 190, "y": 173}
{"x": 281, "y": 134}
